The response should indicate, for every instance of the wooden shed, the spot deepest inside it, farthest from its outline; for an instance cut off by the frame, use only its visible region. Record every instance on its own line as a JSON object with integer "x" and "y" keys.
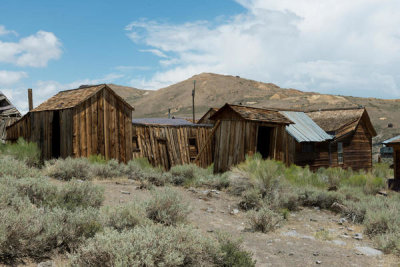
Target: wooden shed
{"x": 353, "y": 131}
{"x": 8, "y": 115}
{"x": 206, "y": 117}
{"x": 395, "y": 144}
{"x": 170, "y": 142}
{"x": 91, "y": 120}
{"x": 244, "y": 130}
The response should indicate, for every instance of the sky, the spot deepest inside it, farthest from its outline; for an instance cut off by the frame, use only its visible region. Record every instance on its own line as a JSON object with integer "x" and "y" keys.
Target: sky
{"x": 329, "y": 46}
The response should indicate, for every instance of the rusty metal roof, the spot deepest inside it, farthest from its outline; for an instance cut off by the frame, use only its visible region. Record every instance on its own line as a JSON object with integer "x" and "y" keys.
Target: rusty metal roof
{"x": 304, "y": 128}
{"x": 255, "y": 114}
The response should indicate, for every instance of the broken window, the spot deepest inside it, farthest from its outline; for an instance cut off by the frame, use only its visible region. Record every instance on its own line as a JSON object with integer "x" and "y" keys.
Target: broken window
{"x": 193, "y": 149}
{"x": 340, "y": 152}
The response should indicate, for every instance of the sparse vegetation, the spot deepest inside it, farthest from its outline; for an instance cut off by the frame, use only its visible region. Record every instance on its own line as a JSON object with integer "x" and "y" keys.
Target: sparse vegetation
{"x": 264, "y": 220}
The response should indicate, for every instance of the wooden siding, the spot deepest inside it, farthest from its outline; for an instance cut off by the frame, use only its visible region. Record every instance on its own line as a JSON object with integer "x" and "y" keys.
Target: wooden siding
{"x": 168, "y": 146}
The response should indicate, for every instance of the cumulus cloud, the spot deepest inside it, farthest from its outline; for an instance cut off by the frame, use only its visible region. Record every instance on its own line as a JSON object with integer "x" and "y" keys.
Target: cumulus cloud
{"x": 340, "y": 47}
{"x": 32, "y": 51}
{"x": 4, "y": 31}
{"x": 8, "y": 78}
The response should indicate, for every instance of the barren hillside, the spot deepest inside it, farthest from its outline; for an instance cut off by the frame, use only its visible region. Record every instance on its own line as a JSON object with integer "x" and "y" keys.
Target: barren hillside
{"x": 214, "y": 90}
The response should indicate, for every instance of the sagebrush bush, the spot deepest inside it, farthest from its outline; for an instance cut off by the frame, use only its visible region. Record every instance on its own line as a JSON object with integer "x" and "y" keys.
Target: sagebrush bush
{"x": 263, "y": 220}
{"x": 26, "y": 152}
{"x": 193, "y": 175}
{"x": 124, "y": 217}
{"x": 69, "y": 168}
{"x": 251, "y": 199}
{"x": 166, "y": 207}
{"x": 77, "y": 194}
{"x": 233, "y": 254}
{"x": 109, "y": 169}
{"x": 16, "y": 168}
{"x": 150, "y": 245}
{"x": 382, "y": 170}
{"x": 320, "y": 198}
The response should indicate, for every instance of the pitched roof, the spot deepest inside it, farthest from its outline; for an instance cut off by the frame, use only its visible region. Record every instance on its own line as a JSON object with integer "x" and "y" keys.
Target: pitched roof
{"x": 255, "y": 114}
{"x": 6, "y": 108}
{"x": 304, "y": 128}
{"x": 207, "y": 115}
{"x": 71, "y": 98}
{"x": 392, "y": 140}
{"x": 165, "y": 122}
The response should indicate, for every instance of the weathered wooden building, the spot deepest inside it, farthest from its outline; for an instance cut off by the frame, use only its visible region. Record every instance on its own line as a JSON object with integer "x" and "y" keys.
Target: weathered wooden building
{"x": 246, "y": 130}
{"x": 352, "y": 129}
{"x": 90, "y": 120}
{"x": 395, "y": 144}
{"x": 206, "y": 117}
{"x": 8, "y": 115}
{"x": 170, "y": 142}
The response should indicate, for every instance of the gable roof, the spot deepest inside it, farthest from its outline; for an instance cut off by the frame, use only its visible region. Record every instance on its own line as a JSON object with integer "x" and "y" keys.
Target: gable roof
{"x": 207, "y": 115}
{"x": 6, "y": 108}
{"x": 254, "y": 114}
{"x": 165, "y": 122}
{"x": 71, "y": 98}
{"x": 304, "y": 128}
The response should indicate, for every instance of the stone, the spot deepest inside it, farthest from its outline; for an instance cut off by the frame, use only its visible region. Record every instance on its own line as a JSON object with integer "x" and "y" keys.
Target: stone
{"x": 368, "y": 251}
{"x": 318, "y": 262}
{"x": 316, "y": 254}
{"x": 350, "y": 229}
{"x": 210, "y": 210}
{"x": 125, "y": 192}
{"x": 339, "y": 242}
{"x": 313, "y": 220}
{"x": 46, "y": 264}
{"x": 234, "y": 211}
{"x": 291, "y": 254}
{"x": 342, "y": 221}
{"x": 358, "y": 236}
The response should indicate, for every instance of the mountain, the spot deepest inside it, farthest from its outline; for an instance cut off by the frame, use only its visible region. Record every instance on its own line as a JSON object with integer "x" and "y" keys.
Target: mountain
{"x": 214, "y": 90}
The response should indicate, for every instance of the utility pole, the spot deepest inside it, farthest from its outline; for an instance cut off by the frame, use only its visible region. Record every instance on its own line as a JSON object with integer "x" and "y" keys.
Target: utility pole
{"x": 193, "y": 94}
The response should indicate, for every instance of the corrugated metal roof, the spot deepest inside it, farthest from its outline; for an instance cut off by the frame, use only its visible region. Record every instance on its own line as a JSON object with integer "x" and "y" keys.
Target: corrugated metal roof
{"x": 392, "y": 140}
{"x": 304, "y": 128}
{"x": 165, "y": 122}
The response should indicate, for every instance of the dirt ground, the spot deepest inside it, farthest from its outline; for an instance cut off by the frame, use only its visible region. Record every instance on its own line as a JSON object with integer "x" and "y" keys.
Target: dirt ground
{"x": 310, "y": 237}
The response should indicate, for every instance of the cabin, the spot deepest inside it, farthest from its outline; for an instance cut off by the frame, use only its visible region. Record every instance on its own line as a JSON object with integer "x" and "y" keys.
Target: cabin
{"x": 90, "y": 120}
{"x": 308, "y": 144}
{"x": 206, "y": 117}
{"x": 170, "y": 142}
{"x": 353, "y": 131}
{"x": 241, "y": 130}
{"x": 8, "y": 115}
{"x": 387, "y": 151}
{"x": 394, "y": 143}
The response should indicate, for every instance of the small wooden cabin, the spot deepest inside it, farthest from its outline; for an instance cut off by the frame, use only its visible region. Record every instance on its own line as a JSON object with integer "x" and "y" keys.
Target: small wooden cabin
{"x": 206, "y": 117}
{"x": 395, "y": 144}
{"x": 90, "y": 120}
{"x": 244, "y": 130}
{"x": 8, "y": 115}
{"x": 353, "y": 131}
{"x": 170, "y": 142}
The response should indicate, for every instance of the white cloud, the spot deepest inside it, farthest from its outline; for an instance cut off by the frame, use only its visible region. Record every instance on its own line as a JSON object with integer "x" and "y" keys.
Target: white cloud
{"x": 4, "y": 31}
{"x": 8, "y": 78}
{"x": 155, "y": 52}
{"x": 347, "y": 47}
{"x": 32, "y": 51}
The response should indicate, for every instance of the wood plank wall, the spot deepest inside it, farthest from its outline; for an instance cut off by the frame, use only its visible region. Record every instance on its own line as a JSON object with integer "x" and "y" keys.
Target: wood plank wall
{"x": 168, "y": 146}
{"x": 234, "y": 139}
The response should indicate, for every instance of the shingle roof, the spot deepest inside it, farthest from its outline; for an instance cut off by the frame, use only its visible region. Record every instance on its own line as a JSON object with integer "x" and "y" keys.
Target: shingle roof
{"x": 71, "y": 98}
{"x": 333, "y": 119}
{"x": 304, "y": 128}
{"x": 6, "y": 108}
{"x": 165, "y": 122}
{"x": 255, "y": 114}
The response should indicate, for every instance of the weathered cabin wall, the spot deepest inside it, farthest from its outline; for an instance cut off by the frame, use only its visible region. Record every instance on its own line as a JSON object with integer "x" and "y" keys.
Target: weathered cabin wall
{"x": 234, "y": 139}
{"x": 168, "y": 146}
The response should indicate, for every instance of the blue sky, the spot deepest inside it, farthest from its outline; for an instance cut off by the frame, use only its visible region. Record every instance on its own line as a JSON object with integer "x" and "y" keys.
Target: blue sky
{"x": 329, "y": 46}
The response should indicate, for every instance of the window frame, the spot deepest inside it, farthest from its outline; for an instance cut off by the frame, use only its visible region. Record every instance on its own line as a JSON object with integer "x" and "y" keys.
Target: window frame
{"x": 340, "y": 157}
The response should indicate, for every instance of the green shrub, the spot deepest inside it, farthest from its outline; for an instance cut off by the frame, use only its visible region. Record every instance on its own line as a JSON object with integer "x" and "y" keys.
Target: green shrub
{"x": 264, "y": 220}
{"x": 150, "y": 245}
{"x": 300, "y": 176}
{"x": 167, "y": 207}
{"x": 97, "y": 159}
{"x": 124, "y": 217}
{"x": 110, "y": 169}
{"x": 388, "y": 243}
{"x": 320, "y": 198}
{"x": 232, "y": 253}
{"x": 382, "y": 170}
{"x": 69, "y": 168}
{"x": 16, "y": 168}
{"x": 251, "y": 199}
{"x": 26, "y": 152}
{"x": 76, "y": 194}
{"x": 369, "y": 183}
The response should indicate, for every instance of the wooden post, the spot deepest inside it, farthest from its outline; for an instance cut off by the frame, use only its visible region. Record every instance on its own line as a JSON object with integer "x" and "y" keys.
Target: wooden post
{"x": 30, "y": 99}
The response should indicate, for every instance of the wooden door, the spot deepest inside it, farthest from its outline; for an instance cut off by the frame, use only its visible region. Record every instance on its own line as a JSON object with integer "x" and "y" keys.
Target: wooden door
{"x": 164, "y": 155}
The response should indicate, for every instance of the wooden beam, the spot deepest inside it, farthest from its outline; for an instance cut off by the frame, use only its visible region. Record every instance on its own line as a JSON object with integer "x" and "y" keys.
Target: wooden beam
{"x": 208, "y": 141}
{"x": 30, "y": 99}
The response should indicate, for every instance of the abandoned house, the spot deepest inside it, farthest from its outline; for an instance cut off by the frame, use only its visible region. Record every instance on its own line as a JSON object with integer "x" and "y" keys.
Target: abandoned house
{"x": 206, "y": 117}
{"x": 8, "y": 115}
{"x": 394, "y": 143}
{"x": 352, "y": 130}
{"x": 90, "y": 120}
{"x": 170, "y": 142}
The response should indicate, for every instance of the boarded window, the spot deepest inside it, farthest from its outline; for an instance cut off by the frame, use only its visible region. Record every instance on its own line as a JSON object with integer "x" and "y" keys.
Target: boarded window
{"x": 135, "y": 144}
{"x": 340, "y": 152}
{"x": 193, "y": 149}
{"x": 307, "y": 147}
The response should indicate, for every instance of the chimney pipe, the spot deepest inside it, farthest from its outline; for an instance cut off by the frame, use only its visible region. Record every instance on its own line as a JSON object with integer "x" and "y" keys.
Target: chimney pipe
{"x": 30, "y": 99}
{"x": 169, "y": 113}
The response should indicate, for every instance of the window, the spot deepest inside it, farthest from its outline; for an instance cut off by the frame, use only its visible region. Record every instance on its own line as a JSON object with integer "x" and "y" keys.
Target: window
{"x": 307, "y": 147}
{"x": 135, "y": 144}
{"x": 193, "y": 149}
{"x": 340, "y": 152}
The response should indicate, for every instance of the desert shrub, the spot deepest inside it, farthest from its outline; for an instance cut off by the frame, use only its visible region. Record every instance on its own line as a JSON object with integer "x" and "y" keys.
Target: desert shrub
{"x": 251, "y": 199}
{"x": 26, "y": 152}
{"x": 39, "y": 191}
{"x": 287, "y": 200}
{"x": 150, "y": 245}
{"x": 166, "y": 207}
{"x": 320, "y": 198}
{"x": 109, "y": 169}
{"x": 233, "y": 254}
{"x": 264, "y": 220}
{"x": 388, "y": 243}
{"x": 69, "y": 168}
{"x": 97, "y": 159}
{"x": 125, "y": 216}
{"x": 16, "y": 168}
{"x": 302, "y": 176}
{"x": 333, "y": 177}
{"x": 355, "y": 211}
{"x": 382, "y": 170}
{"x": 367, "y": 181}
{"x": 323, "y": 235}
{"x": 76, "y": 194}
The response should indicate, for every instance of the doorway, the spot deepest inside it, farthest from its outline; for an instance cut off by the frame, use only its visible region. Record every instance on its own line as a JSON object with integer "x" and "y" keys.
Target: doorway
{"x": 56, "y": 138}
{"x": 264, "y": 141}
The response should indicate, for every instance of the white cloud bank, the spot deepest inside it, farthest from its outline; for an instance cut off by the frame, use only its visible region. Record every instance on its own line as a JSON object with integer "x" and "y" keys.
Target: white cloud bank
{"x": 331, "y": 46}
{"x": 8, "y": 78}
{"x": 32, "y": 51}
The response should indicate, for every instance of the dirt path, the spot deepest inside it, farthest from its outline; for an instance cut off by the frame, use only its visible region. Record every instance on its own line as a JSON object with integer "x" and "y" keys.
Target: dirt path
{"x": 309, "y": 237}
